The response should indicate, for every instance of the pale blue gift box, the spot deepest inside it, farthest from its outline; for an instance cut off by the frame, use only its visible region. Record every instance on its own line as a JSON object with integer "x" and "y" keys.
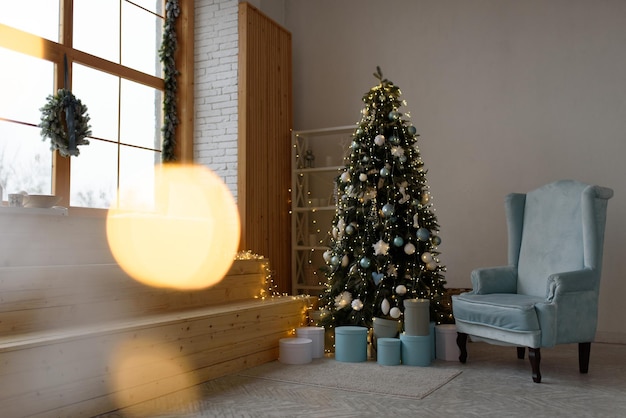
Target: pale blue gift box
{"x": 389, "y": 351}
{"x": 351, "y": 344}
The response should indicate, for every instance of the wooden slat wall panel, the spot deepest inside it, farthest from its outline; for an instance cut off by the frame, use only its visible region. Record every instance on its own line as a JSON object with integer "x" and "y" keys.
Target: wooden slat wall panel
{"x": 265, "y": 122}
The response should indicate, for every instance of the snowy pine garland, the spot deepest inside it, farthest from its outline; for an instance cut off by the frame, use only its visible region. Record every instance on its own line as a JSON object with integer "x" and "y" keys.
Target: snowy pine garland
{"x": 166, "y": 54}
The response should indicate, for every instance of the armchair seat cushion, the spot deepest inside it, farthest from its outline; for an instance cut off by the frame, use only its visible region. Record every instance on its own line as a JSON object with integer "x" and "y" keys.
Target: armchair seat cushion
{"x": 506, "y": 311}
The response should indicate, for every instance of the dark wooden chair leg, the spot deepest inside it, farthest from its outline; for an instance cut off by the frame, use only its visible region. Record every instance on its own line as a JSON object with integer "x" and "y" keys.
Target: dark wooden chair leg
{"x": 583, "y": 356}
{"x": 534, "y": 355}
{"x": 461, "y": 341}
{"x": 521, "y": 351}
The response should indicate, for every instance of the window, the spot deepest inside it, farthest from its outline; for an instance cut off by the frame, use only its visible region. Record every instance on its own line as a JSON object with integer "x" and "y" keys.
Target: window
{"x": 113, "y": 67}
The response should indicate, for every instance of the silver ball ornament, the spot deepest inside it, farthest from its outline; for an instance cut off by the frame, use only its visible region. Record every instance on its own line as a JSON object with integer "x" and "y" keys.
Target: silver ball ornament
{"x": 423, "y": 234}
{"x": 388, "y": 210}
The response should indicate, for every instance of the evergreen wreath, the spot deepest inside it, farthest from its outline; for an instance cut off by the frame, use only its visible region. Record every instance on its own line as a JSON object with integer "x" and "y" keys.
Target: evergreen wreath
{"x": 56, "y": 125}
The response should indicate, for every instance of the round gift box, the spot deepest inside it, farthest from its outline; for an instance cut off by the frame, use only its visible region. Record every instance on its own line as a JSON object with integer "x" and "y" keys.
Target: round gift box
{"x": 316, "y": 334}
{"x": 295, "y": 350}
{"x": 351, "y": 344}
{"x": 447, "y": 349}
{"x": 388, "y": 351}
{"x": 416, "y": 349}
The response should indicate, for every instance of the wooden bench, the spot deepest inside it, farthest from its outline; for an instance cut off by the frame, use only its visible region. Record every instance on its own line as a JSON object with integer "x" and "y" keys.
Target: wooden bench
{"x": 81, "y": 338}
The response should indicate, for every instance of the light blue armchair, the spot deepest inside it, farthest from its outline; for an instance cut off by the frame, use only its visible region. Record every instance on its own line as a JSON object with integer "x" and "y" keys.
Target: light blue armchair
{"x": 548, "y": 294}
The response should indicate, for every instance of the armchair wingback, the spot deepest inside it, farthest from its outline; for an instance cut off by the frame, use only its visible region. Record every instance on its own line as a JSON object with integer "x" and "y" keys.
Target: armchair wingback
{"x": 548, "y": 292}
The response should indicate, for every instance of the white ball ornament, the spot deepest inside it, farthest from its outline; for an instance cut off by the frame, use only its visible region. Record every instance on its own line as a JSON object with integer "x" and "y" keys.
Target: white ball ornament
{"x": 345, "y": 177}
{"x": 327, "y": 254}
{"x": 395, "y": 312}
{"x": 379, "y": 140}
{"x": 345, "y": 261}
{"x": 384, "y": 306}
{"x": 409, "y": 249}
{"x": 400, "y": 289}
{"x": 427, "y": 257}
{"x": 432, "y": 266}
{"x": 363, "y": 177}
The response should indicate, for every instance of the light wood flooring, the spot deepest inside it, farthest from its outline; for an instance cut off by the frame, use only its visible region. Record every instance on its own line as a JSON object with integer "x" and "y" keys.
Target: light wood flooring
{"x": 494, "y": 383}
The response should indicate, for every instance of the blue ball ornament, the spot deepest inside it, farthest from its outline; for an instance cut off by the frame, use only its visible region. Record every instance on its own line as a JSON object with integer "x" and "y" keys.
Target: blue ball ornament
{"x": 393, "y": 115}
{"x": 436, "y": 240}
{"x": 398, "y": 241}
{"x": 350, "y": 229}
{"x": 365, "y": 262}
{"x": 411, "y": 130}
{"x": 384, "y": 172}
{"x": 354, "y": 145}
{"x": 359, "y": 132}
{"x": 334, "y": 260}
{"x": 388, "y": 210}
{"x": 423, "y": 234}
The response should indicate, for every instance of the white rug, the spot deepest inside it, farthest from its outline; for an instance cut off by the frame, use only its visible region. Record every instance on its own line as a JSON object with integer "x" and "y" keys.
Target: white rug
{"x": 366, "y": 377}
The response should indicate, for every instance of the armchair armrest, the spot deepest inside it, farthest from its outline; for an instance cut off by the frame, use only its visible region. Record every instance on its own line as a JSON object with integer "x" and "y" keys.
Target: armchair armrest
{"x": 571, "y": 281}
{"x": 494, "y": 280}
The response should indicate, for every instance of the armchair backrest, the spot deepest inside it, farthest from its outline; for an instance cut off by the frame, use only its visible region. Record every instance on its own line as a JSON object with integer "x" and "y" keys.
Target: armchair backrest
{"x": 556, "y": 228}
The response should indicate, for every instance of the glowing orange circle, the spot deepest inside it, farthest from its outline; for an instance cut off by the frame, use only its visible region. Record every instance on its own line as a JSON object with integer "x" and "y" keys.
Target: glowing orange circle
{"x": 186, "y": 236}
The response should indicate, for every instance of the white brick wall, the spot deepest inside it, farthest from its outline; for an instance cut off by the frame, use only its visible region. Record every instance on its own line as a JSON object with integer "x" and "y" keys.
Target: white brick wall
{"x": 216, "y": 54}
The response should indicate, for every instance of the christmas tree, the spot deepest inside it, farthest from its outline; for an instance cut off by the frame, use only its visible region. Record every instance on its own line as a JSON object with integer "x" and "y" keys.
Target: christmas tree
{"x": 384, "y": 234}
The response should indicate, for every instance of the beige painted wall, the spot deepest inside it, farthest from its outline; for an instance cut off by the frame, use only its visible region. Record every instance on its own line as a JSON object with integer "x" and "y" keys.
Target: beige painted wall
{"x": 506, "y": 94}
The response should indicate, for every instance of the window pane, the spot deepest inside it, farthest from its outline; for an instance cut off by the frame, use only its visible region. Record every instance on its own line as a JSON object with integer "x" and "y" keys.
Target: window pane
{"x": 97, "y": 28}
{"x": 25, "y": 160}
{"x": 39, "y": 17}
{"x": 140, "y": 120}
{"x": 93, "y": 181}
{"x": 155, "y": 6}
{"x": 27, "y": 83}
{"x": 137, "y": 174}
{"x": 141, "y": 39}
{"x": 99, "y": 91}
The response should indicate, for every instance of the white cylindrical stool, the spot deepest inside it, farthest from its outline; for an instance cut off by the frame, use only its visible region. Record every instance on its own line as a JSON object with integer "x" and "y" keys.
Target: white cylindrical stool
{"x": 295, "y": 350}
{"x": 316, "y": 334}
{"x": 445, "y": 340}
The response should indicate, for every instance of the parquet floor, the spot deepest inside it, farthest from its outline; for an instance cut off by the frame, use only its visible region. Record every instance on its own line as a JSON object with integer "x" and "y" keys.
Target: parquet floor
{"x": 494, "y": 383}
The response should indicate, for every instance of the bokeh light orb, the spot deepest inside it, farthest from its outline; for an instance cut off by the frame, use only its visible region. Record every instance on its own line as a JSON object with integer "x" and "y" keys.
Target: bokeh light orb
{"x": 182, "y": 234}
